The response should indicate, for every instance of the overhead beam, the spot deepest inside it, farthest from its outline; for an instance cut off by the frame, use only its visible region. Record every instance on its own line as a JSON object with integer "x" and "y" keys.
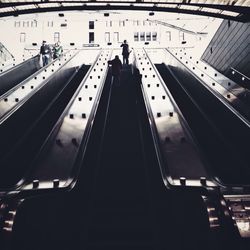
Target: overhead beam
{"x": 241, "y": 17}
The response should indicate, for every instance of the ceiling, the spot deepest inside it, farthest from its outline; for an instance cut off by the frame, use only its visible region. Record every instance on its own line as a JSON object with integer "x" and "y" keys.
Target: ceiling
{"x": 238, "y": 10}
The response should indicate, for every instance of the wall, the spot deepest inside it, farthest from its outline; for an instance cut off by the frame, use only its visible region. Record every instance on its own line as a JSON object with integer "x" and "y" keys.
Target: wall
{"x": 73, "y": 27}
{"x": 230, "y": 47}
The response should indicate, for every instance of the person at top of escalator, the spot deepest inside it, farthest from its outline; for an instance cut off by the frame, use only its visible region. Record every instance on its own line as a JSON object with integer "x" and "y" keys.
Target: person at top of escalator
{"x": 45, "y": 52}
{"x": 125, "y": 52}
{"x": 116, "y": 69}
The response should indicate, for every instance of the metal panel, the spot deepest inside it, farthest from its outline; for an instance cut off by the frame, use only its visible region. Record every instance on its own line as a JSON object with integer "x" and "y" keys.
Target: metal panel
{"x": 15, "y": 75}
{"x": 176, "y": 149}
{"x": 230, "y": 47}
{"x": 68, "y": 139}
{"x": 230, "y": 91}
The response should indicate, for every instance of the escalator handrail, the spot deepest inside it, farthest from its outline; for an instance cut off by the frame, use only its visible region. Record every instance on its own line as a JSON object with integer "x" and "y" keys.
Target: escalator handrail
{"x": 164, "y": 173}
{"x": 219, "y": 96}
{"x": 6, "y": 94}
{"x": 75, "y": 170}
{"x": 17, "y": 66}
{"x": 33, "y": 93}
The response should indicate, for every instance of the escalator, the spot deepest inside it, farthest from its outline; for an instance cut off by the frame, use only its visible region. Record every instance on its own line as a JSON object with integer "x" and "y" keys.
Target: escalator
{"x": 17, "y": 161}
{"x": 18, "y": 73}
{"x": 214, "y": 126}
{"x": 29, "y": 112}
{"x": 119, "y": 200}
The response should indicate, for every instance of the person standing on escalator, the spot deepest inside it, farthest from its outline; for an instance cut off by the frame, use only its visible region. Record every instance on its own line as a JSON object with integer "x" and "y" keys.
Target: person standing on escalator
{"x": 125, "y": 52}
{"x": 45, "y": 52}
{"x": 116, "y": 70}
{"x": 57, "y": 50}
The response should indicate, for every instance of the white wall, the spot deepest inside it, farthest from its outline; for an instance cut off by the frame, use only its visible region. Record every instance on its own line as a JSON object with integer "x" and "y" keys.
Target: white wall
{"x": 38, "y": 27}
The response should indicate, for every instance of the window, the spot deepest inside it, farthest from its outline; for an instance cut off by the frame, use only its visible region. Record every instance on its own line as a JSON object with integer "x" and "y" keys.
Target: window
{"x": 121, "y": 23}
{"x": 22, "y": 37}
{"x": 91, "y": 25}
{"x": 33, "y": 23}
{"x": 56, "y": 37}
{"x": 26, "y": 24}
{"x": 108, "y": 23}
{"x": 107, "y": 37}
{"x": 50, "y": 24}
{"x": 136, "y": 36}
{"x": 17, "y": 24}
{"x": 148, "y": 36}
{"x": 181, "y": 36}
{"x": 138, "y": 23}
{"x": 142, "y": 36}
{"x": 91, "y": 37}
{"x": 168, "y": 35}
{"x": 154, "y": 36}
{"x": 116, "y": 37}
{"x": 144, "y": 23}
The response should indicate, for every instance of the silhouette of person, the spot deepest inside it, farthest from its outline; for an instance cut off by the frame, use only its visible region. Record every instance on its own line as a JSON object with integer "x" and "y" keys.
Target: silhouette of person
{"x": 116, "y": 70}
{"x": 125, "y": 52}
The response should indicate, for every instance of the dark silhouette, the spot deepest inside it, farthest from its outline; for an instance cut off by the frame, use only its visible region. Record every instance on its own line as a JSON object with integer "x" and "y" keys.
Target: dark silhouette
{"x": 45, "y": 51}
{"x": 125, "y": 52}
{"x": 116, "y": 70}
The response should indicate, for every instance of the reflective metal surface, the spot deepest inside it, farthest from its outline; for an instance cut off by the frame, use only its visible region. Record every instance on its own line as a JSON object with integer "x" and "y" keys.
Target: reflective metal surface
{"x": 14, "y": 62}
{"x": 17, "y": 96}
{"x": 60, "y": 151}
{"x": 181, "y": 162}
{"x": 239, "y": 206}
{"x": 226, "y": 89}
{"x": 17, "y": 73}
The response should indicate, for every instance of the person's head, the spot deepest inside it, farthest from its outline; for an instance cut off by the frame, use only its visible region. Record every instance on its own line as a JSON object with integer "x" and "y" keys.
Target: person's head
{"x": 116, "y": 57}
{"x": 125, "y": 41}
{"x": 44, "y": 42}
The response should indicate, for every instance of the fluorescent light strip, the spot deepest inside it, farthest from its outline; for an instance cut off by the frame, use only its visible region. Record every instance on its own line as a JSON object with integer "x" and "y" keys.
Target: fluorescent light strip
{"x": 229, "y": 13}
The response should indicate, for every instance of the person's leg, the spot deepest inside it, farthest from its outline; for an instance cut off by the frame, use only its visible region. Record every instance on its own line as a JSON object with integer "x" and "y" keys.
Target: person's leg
{"x": 44, "y": 60}
{"x": 124, "y": 59}
{"x": 47, "y": 59}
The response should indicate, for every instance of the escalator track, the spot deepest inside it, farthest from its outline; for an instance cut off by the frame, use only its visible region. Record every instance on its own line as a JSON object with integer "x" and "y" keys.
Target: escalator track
{"x": 20, "y": 157}
{"x": 119, "y": 200}
{"x": 222, "y": 159}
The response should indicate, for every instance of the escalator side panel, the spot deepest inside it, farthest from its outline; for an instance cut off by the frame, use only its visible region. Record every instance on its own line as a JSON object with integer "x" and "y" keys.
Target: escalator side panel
{"x": 20, "y": 157}
{"x": 13, "y": 128}
{"x": 231, "y": 131}
{"x": 15, "y": 75}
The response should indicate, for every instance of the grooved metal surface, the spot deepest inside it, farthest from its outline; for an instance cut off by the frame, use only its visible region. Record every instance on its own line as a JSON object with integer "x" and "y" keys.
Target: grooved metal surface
{"x": 59, "y": 152}
{"x": 181, "y": 163}
{"x": 230, "y": 47}
{"x": 216, "y": 82}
